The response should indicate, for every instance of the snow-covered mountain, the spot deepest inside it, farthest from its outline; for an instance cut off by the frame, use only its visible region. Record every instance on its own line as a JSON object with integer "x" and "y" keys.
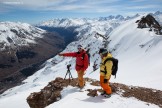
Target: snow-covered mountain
{"x": 22, "y": 46}
{"x": 18, "y": 34}
{"x": 138, "y": 52}
{"x": 87, "y": 26}
{"x": 75, "y": 22}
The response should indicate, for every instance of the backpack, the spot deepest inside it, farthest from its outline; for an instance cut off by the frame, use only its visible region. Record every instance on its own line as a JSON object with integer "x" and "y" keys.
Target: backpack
{"x": 88, "y": 54}
{"x": 84, "y": 55}
{"x": 115, "y": 65}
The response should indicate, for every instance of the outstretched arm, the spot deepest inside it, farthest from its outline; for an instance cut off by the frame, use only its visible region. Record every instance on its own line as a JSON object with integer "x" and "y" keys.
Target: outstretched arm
{"x": 73, "y": 54}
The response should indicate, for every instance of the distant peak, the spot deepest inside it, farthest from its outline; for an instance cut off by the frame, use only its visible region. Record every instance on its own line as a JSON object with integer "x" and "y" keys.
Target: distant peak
{"x": 157, "y": 13}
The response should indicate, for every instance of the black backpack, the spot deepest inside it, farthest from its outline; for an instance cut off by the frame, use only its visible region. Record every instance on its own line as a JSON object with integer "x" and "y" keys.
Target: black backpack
{"x": 115, "y": 65}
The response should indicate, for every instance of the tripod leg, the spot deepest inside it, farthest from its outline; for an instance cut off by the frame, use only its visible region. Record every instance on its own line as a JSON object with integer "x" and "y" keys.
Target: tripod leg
{"x": 66, "y": 74}
{"x": 71, "y": 76}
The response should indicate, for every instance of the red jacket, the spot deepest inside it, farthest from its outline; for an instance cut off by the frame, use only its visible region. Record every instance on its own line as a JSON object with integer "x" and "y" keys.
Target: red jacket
{"x": 81, "y": 59}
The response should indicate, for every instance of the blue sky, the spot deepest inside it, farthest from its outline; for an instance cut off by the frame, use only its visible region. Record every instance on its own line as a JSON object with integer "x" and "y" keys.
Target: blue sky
{"x": 34, "y": 11}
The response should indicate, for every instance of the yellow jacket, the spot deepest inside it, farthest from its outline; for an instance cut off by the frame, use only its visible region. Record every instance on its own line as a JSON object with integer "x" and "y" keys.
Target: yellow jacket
{"x": 108, "y": 66}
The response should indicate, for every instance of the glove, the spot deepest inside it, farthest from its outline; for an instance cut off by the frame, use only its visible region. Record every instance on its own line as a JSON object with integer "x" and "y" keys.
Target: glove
{"x": 60, "y": 54}
{"x": 105, "y": 80}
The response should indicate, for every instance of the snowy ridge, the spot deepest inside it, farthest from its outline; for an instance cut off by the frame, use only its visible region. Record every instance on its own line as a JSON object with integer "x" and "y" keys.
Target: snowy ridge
{"x": 18, "y": 34}
{"x": 76, "y": 22}
{"x": 67, "y": 22}
{"x": 63, "y": 22}
{"x": 139, "y": 54}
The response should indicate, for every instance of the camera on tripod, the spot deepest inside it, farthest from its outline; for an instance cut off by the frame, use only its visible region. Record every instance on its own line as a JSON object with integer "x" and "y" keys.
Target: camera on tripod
{"x": 68, "y": 72}
{"x": 68, "y": 66}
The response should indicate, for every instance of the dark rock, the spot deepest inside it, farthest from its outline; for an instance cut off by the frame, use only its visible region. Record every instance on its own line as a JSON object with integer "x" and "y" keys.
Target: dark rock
{"x": 49, "y": 94}
{"x": 92, "y": 93}
{"x": 150, "y": 22}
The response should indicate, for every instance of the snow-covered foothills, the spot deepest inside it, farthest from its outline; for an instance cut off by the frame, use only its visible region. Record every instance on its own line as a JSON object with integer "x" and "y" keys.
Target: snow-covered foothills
{"x": 18, "y": 34}
{"x": 139, "y": 54}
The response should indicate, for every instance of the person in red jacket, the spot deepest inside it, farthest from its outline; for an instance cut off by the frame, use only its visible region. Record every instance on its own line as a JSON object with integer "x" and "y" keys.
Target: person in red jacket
{"x": 81, "y": 63}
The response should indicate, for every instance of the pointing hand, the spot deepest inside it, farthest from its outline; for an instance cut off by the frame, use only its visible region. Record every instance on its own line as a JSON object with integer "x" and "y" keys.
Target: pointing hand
{"x": 60, "y": 54}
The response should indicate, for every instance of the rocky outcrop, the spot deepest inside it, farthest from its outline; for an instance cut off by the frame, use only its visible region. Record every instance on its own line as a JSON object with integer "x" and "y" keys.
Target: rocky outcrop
{"x": 49, "y": 94}
{"x": 150, "y": 22}
{"x": 52, "y": 92}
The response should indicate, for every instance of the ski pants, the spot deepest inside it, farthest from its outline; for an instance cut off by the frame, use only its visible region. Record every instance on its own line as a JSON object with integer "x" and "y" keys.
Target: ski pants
{"x": 106, "y": 87}
{"x": 81, "y": 81}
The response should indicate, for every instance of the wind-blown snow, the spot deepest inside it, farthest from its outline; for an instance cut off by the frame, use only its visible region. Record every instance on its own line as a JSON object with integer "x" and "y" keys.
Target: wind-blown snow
{"x": 139, "y": 54}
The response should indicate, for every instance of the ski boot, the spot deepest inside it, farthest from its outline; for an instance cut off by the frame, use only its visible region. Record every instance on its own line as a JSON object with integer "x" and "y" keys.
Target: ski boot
{"x": 107, "y": 95}
{"x": 104, "y": 92}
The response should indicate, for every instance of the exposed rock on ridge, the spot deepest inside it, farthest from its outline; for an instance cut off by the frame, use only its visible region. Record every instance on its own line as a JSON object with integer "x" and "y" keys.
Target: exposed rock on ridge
{"x": 150, "y": 22}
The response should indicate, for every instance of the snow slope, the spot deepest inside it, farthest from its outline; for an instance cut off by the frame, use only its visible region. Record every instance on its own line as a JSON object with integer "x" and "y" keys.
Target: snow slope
{"x": 138, "y": 51}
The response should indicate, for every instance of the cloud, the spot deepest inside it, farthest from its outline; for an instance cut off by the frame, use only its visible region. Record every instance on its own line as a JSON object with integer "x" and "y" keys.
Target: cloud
{"x": 5, "y": 8}
{"x": 142, "y": 7}
{"x": 99, "y": 6}
{"x": 27, "y": 3}
{"x": 66, "y": 7}
{"x": 13, "y": 3}
{"x": 86, "y": 7}
{"x": 48, "y": 3}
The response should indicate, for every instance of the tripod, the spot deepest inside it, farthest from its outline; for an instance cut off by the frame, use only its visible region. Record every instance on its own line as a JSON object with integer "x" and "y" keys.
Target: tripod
{"x": 68, "y": 72}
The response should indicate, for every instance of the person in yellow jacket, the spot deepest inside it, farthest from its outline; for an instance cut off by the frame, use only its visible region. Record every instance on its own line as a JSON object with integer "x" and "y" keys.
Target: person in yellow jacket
{"x": 105, "y": 72}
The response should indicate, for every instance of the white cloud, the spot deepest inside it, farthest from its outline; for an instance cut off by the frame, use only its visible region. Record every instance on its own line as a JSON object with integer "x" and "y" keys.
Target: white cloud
{"x": 142, "y": 7}
{"x": 46, "y": 3}
{"x": 35, "y": 3}
{"x": 100, "y": 6}
{"x": 83, "y": 8}
{"x": 13, "y": 3}
{"x": 67, "y": 7}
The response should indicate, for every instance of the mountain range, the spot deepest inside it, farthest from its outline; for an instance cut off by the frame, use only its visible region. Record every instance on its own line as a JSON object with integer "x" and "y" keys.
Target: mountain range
{"x": 137, "y": 49}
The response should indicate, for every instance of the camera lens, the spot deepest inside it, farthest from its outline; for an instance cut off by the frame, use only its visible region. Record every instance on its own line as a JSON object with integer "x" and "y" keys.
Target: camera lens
{"x": 68, "y": 66}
